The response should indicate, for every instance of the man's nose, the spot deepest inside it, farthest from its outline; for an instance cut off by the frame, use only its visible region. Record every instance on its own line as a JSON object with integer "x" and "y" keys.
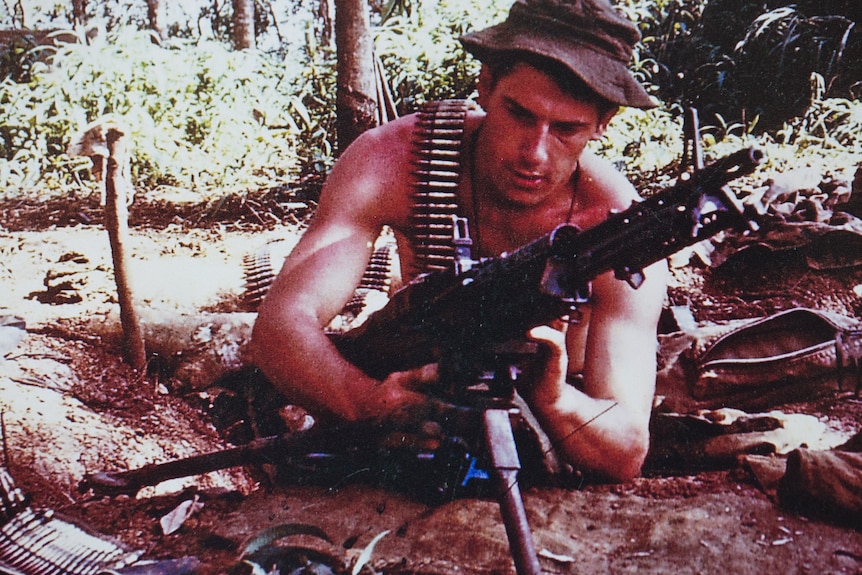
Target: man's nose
{"x": 534, "y": 145}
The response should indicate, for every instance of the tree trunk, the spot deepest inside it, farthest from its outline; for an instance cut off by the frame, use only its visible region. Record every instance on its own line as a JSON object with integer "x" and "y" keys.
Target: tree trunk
{"x": 355, "y": 101}
{"x": 157, "y": 16}
{"x": 79, "y": 12}
{"x": 324, "y": 16}
{"x": 243, "y": 24}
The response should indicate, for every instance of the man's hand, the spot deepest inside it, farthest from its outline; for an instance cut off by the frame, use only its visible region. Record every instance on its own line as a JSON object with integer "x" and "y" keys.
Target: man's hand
{"x": 401, "y": 394}
{"x": 545, "y": 375}
{"x": 414, "y": 379}
{"x": 591, "y": 432}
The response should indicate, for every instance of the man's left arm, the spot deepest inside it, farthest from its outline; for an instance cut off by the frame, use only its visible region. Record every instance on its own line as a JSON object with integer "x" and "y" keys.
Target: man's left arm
{"x": 603, "y": 427}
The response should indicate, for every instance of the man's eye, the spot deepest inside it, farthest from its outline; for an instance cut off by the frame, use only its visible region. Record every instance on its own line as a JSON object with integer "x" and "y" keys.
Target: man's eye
{"x": 519, "y": 113}
{"x": 566, "y": 130}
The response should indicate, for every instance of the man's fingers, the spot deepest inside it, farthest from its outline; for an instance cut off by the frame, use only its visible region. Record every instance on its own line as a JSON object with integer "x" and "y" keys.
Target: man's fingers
{"x": 554, "y": 343}
{"x": 427, "y": 374}
{"x": 548, "y": 334}
{"x": 416, "y": 379}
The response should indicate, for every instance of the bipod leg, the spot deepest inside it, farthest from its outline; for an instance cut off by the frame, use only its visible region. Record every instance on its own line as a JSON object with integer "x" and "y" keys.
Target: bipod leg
{"x": 505, "y": 466}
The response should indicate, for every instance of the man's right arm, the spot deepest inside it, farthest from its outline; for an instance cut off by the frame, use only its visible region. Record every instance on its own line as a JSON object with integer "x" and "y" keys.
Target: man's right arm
{"x": 289, "y": 344}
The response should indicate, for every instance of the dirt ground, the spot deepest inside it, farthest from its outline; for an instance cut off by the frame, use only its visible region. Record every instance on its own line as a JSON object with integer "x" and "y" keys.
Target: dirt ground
{"x": 70, "y": 406}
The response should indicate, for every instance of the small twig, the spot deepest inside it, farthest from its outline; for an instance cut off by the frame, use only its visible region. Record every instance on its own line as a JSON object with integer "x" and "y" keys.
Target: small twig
{"x": 52, "y": 356}
{"x": 39, "y": 384}
{"x": 254, "y": 213}
{"x": 6, "y": 460}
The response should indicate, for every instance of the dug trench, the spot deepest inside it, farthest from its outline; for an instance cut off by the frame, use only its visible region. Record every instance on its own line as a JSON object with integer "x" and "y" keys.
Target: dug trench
{"x": 71, "y": 406}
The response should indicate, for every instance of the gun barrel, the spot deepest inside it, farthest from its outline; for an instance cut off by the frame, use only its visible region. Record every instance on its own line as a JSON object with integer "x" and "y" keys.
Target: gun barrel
{"x": 737, "y": 164}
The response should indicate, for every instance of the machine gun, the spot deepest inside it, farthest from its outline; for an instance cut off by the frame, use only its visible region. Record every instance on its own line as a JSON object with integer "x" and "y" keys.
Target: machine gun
{"x": 471, "y": 320}
{"x": 479, "y": 307}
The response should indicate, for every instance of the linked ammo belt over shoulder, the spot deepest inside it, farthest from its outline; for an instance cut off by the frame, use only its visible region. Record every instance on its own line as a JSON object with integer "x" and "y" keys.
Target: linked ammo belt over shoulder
{"x": 437, "y": 145}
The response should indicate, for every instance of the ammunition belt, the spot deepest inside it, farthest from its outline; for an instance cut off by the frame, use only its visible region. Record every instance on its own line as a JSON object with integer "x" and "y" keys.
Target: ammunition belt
{"x": 36, "y": 542}
{"x": 376, "y": 277}
{"x": 261, "y": 267}
{"x": 437, "y": 142}
{"x": 12, "y": 499}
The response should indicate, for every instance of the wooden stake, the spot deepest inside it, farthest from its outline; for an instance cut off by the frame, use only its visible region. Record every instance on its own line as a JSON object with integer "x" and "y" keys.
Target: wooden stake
{"x": 117, "y": 224}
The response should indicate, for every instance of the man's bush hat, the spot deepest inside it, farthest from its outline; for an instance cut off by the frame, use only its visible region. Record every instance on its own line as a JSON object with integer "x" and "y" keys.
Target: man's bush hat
{"x": 589, "y": 37}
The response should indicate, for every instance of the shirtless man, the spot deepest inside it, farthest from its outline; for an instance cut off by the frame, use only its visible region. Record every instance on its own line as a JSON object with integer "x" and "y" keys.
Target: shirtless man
{"x": 554, "y": 74}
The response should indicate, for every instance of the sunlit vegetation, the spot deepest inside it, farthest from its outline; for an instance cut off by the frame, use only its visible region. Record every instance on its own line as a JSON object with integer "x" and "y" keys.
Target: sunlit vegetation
{"x": 207, "y": 120}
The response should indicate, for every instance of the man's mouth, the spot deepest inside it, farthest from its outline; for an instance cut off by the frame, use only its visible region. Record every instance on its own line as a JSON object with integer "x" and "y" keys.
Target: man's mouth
{"x": 526, "y": 179}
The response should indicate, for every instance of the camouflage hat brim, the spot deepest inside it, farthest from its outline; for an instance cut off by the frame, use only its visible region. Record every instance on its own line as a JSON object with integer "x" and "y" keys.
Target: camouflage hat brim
{"x": 589, "y": 38}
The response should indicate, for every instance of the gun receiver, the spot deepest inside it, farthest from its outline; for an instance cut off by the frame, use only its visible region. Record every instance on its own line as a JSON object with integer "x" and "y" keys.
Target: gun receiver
{"x": 497, "y": 300}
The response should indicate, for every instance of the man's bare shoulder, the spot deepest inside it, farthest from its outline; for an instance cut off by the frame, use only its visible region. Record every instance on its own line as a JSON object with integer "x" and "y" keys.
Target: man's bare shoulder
{"x": 387, "y": 147}
{"x": 373, "y": 174}
{"x": 603, "y": 184}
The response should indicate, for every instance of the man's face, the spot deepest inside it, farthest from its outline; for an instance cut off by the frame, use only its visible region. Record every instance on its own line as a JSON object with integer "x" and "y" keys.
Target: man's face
{"x": 532, "y": 136}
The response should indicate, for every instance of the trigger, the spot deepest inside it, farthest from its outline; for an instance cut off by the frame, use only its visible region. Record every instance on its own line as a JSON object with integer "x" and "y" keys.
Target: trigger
{"x": 634, "y": 279}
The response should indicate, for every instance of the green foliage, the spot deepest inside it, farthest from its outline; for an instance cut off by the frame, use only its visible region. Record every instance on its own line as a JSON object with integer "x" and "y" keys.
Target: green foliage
{"x": 201, "y": 116}
{"x": 312, "y": 90}
{"x": 744, "y": 59}
{"x": 420, "y": 51}
{"x": 17, "y": 56}
{"x": 210, "y": 120}
{"x": 778, "y": 57}
{"x": 830, "y": 127}
{"x": 648, "y": 145}
{"x": 641, "y": 141}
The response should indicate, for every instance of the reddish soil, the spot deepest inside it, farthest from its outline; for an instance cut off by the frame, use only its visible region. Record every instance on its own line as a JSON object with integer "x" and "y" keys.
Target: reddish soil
{"x": 696, "y": 522}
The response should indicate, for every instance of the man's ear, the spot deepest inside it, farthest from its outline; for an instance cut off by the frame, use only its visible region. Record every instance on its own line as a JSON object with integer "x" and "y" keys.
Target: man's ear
{"x": 603, "y": 122}
{"x": 484, "y": 85}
